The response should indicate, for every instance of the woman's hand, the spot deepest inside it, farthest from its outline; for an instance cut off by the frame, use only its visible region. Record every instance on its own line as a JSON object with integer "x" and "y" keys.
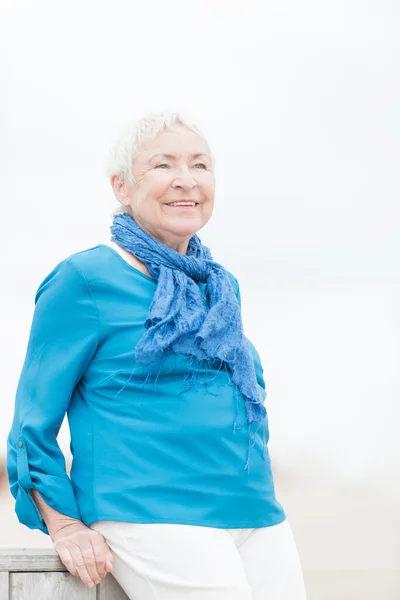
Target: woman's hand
{"x": 84, "y": 552}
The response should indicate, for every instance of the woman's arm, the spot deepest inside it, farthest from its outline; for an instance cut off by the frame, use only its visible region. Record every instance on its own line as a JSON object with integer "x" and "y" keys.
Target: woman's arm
{"x": 54, "y": 520}
{"x": 62, "y": 342}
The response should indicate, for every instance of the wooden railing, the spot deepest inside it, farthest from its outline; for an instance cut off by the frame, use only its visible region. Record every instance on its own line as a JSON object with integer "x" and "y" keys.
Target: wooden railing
{"x": 39, "y": 574}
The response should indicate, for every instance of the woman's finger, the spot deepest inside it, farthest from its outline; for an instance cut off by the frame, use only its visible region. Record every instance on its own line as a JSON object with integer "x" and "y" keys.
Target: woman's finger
{"x": 109, "y": 566}
{"x": 66, "y": 559}
{"x": 90, "y": 561}
{"x": 100, "y": 553}
{"x": 80, "y": 564}
{"x": 103, "y": 554}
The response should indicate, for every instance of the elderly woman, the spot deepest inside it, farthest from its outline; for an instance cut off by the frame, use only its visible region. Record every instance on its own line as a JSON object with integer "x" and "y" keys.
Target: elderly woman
{"x": 140, "y": 341}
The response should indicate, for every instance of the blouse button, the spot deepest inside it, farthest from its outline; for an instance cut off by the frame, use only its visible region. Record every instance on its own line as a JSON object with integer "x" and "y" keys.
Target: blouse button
{"x": 20, "y": 444}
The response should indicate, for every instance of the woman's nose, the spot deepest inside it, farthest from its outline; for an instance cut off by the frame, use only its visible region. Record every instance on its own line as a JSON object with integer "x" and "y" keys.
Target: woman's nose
{"x": 185, "y": 179}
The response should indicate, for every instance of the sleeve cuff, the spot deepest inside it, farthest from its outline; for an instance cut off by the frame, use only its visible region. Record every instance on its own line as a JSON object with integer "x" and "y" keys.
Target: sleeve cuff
{"x": 56, "y": 492}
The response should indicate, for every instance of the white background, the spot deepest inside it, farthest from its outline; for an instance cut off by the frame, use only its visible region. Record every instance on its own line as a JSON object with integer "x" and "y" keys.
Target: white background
{"x": 299, "y": 101}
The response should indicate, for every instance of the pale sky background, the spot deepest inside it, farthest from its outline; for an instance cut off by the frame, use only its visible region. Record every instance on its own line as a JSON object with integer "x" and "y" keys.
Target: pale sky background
{"x": 299, "y": 101}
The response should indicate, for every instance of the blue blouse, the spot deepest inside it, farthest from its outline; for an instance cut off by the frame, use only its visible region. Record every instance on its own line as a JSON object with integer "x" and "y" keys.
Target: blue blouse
{"x": 150, "y": 444}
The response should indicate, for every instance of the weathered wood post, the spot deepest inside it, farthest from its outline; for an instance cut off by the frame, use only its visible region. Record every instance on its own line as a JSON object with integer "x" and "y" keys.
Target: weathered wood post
{"x": 39, "y": 574}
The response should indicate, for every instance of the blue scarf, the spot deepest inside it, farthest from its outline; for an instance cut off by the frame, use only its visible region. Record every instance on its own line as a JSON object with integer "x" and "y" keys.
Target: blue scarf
{"x": 179, "y": 317}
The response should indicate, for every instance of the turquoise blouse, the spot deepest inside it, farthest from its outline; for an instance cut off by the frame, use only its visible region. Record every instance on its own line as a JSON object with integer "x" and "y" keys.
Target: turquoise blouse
{"x": 150, "y": 444}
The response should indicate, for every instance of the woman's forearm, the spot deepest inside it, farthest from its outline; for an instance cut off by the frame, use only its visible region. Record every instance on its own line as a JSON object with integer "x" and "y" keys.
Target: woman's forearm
{"x": 54, "y": 520}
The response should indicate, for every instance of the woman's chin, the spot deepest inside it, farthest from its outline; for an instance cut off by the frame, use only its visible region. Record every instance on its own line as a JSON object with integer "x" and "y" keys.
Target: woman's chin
{"x": 185, "y": 226}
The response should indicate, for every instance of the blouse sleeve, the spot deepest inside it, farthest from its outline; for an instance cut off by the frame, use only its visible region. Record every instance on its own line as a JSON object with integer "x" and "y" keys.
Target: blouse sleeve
{"x": 62, "y": 342}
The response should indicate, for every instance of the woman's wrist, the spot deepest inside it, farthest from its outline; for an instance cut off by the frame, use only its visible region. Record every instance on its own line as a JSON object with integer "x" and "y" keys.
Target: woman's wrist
{"x": 56, "y": 525}
{"x": 54, "y": 520}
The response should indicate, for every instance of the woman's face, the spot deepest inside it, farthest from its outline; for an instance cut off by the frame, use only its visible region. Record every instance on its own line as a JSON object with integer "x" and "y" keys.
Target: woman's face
{"x": 173, "y": 166}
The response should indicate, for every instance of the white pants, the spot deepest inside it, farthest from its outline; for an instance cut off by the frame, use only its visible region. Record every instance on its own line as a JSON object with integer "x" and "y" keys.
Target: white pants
{"x": 182, "y": 562}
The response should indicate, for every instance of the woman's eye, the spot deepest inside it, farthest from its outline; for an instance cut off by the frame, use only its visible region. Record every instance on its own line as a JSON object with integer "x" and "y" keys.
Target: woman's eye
{"x": 166, "y": 165}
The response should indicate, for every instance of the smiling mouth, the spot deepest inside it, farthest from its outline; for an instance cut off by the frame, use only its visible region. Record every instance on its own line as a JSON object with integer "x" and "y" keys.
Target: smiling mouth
{"x": 173, "y": 205}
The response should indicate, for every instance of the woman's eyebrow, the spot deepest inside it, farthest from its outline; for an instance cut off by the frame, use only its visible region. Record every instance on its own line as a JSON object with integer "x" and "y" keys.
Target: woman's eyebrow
{"x": 173, "y": 156}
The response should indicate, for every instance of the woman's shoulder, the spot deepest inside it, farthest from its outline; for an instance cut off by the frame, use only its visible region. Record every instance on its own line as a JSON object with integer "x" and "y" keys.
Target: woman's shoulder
{"x": 78, "y": 270}
{"x": 89, "y": 258}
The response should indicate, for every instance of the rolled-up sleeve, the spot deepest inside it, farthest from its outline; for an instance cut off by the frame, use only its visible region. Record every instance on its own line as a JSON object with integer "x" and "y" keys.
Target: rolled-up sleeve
{"x": 62, "y": 342}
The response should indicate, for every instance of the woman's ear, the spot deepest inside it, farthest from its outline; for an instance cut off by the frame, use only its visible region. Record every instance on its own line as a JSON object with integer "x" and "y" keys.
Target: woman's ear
{"x": 118, "y": 184}
{"x": 120, "y": 188}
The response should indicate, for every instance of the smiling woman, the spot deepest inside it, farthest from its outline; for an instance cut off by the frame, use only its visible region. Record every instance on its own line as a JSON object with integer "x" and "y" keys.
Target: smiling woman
{"x": 142, "y": 340}
{"x": 161, "y": 179}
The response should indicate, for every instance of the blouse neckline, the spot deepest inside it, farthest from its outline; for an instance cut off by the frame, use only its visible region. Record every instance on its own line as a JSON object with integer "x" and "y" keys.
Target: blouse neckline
{"x": 122, "y": 254}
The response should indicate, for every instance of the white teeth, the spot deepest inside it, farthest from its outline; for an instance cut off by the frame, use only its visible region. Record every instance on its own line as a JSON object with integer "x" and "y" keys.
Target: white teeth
{"x": 182, "y": 204}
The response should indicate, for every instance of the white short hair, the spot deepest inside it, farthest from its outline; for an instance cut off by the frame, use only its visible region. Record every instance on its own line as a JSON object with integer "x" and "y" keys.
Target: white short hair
{"x": 122, "y": 154}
